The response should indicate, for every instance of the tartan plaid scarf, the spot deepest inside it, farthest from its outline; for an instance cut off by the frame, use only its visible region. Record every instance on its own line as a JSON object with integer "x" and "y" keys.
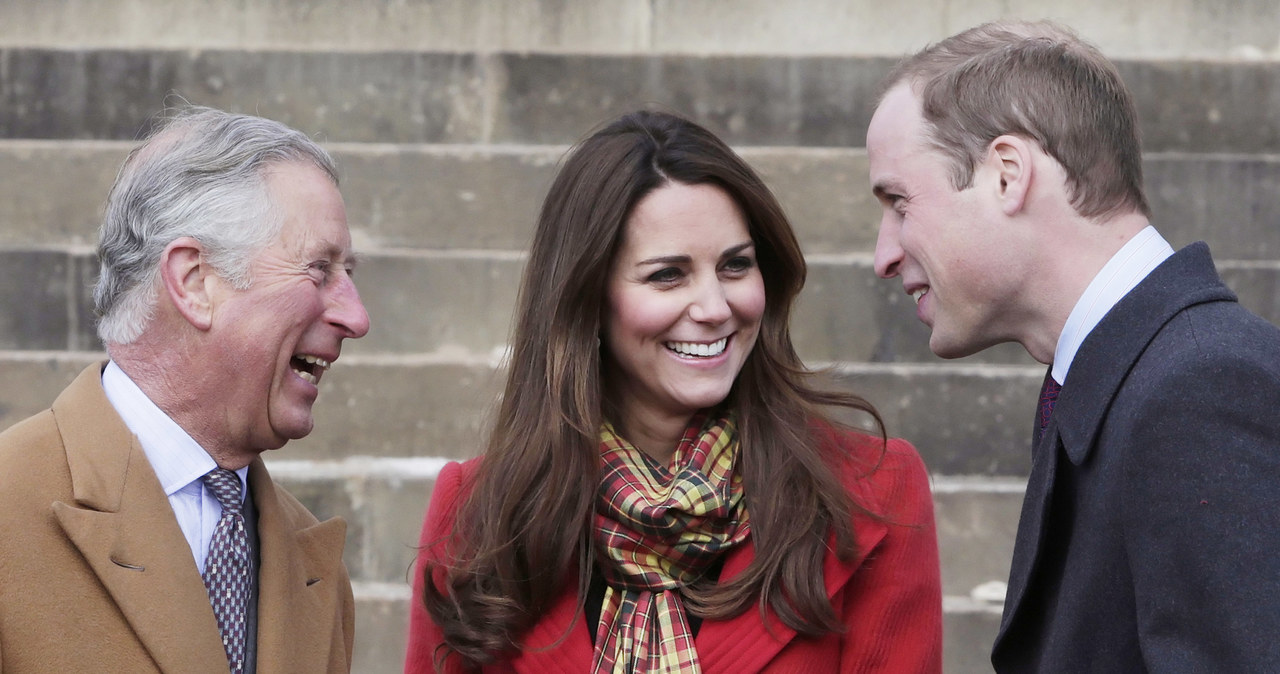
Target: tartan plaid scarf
{"x": 657, "y": 529}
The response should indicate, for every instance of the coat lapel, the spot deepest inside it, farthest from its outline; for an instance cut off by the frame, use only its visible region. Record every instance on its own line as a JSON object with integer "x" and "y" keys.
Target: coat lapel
{"x": 123, "y": 525}
{"x": 1099, "y": 369}
{"x": 299, "y": 583}
{"x": 722, "y": 645}
{"x": 745, "y": 643}
{"x": 1031, "y": 523}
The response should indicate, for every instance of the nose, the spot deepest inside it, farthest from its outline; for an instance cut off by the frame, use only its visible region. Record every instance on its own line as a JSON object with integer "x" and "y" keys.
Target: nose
{"x": 346, "y": 311}
{"x": 710, "y": 304}
{"x": 888, "y": 248}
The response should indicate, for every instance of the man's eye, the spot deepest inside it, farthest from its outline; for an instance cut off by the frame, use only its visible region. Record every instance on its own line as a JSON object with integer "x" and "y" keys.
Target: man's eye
{"x": 320, "y": 268}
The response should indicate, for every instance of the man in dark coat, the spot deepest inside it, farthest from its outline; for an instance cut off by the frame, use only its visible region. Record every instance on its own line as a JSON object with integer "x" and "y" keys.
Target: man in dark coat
{"x": 1007, "y": 162}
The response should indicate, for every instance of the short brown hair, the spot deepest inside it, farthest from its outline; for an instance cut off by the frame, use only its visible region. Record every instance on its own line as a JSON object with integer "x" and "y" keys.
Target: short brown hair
{"x": 1042, "y": 82}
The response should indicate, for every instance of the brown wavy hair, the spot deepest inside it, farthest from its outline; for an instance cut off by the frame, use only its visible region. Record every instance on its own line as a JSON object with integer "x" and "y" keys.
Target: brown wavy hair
{"x": 526, "y": 526}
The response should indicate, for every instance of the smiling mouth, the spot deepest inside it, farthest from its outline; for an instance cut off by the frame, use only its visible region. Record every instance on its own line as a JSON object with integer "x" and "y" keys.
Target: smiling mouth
{"x": 918, "y": 293}
{"x": 310, "y": 368}
{"x": 698, "y": 349}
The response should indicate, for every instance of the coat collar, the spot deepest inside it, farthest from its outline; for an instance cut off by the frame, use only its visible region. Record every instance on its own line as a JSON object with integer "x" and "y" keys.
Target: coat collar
{"x": 1110, "y": 351}
{"x": 300, "y": 583}
{"x": 1097, "y": 373}
{"x": 123, "y": 525}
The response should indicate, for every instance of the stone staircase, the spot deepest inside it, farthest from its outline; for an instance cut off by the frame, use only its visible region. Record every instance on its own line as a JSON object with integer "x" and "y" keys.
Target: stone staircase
{"x": 447, "y": 118}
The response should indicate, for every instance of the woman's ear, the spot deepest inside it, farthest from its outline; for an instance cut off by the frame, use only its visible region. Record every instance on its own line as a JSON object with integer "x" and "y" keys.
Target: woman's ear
{"x": 187, "y": 279}
{"x": 1011, "y": 160}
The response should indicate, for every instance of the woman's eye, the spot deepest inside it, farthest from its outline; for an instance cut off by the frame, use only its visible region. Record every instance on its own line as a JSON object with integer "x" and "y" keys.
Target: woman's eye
{"x": 666, "y": 275}
{"x": 739, "y": 263}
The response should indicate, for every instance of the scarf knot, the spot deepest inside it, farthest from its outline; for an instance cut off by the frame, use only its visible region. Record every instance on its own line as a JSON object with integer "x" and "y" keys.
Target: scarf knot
{"x": 657, "y": 529}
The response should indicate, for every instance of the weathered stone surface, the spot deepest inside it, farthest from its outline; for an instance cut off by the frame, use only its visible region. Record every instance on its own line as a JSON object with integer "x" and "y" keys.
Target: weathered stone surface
{"x": 384, "y": 519}
{"x": 964, "y": 419}
{"x": 445, "y": 197}
{"x": 429, "y": 303}
{"x": 111, "y": 94}
{"x": 758, "y": 100}
{"x": 977, "y": 521}
{"x": 54, "y": 192}
{"x": 416, "y": 97}
{"x": 1126, "y": 28}
{"x": 382, "y": 629}
{"x": 1227, "y": 200}
{"x": 459, "y": 305}
{"x": 30, "y": 382}
{"x": 398, "y": 407}
{"x": 967, "y": 637}
{"x": 487, "y": 197}
{"x": 517, "y": 25}
{"x": 36, "y": 297}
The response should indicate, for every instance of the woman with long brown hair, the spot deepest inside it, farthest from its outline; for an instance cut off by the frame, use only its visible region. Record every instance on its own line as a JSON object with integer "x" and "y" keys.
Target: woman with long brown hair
{"x": 663, "y": 489}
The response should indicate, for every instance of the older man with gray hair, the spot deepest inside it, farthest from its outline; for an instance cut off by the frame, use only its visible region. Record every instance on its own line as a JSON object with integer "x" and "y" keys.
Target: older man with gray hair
{"x": 141, "y": 531}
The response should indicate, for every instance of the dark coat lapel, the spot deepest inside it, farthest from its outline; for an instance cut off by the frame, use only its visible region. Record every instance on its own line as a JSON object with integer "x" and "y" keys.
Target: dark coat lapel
{"x": 123, "y": 525}
{"x": 1099, "y": 369}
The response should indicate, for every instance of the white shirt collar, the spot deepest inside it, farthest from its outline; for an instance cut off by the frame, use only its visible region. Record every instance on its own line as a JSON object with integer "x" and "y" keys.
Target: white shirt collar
{"x": 178, "y": 460}
{"x": 1124, "y": 271}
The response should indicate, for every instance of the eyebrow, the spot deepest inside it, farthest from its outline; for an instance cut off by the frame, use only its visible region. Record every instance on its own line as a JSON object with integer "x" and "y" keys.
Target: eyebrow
{"x": 883, "y": 188}
{"x": 685, "y": 259}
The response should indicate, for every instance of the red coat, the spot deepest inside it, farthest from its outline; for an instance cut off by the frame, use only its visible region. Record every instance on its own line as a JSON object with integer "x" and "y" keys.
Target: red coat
{"x": 889, "y": 594}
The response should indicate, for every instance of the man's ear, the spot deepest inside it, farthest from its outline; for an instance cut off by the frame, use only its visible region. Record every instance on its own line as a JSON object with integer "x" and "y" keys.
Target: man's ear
{"x": 188, "y": 280}
{"x": 1011, "y": 160}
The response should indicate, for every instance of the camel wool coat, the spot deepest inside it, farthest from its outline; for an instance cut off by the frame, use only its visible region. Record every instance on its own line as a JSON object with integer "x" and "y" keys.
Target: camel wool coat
{"x": 96, "y": 576}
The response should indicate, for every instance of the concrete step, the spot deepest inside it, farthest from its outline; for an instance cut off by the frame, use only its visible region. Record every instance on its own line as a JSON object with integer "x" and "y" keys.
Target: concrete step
{"x": 487, "y": 197}
{"x": 519, "y": 98}
{"x": 384, "y": 500}
{"x": 966, "y": 419}
{"x": 1132, "y": 28}
{"x": 459, "y": 304}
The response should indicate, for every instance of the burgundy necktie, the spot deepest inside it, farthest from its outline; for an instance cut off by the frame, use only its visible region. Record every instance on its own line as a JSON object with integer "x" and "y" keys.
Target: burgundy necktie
{"x": 1048, "y": 396}
{"x": 227, "y": 568}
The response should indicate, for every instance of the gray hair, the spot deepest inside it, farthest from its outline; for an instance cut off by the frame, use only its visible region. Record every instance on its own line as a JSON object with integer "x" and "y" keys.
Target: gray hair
{"x": 200, "y": 173}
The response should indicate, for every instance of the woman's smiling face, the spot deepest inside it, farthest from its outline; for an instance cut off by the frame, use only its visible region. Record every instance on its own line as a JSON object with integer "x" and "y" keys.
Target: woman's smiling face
{"x": 684, "y": 303}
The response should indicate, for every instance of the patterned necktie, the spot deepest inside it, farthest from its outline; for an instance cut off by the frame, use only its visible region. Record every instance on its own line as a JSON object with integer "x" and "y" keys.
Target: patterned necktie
{"x": 227, "y": 568}
{"x": 1048, "y": 396}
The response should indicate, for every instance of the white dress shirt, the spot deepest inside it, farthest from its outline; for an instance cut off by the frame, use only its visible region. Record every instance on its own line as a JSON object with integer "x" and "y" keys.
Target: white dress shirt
{"x": 1124, "y": 271}
{"x": 177, "y": 459}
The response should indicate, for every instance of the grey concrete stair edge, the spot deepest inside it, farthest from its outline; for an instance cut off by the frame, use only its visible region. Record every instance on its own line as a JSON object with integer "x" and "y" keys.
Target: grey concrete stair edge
{"x": 487, "y": 197}
{"x": 459, "y": 305}
{"x": 964, "y": 419}
{"x": 384, "y": 500}
{"x": 381, "y": 634}
{"x": 1130, "y": 28}
{"x": 464, "y": 97}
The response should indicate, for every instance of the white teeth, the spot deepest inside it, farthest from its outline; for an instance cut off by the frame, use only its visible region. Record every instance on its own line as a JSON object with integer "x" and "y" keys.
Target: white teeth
{"x": 699, "y": 349}
{"x": 315, "y": 360}
{"x": 917, "y": 294}
{"x": 320, "y": 365}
